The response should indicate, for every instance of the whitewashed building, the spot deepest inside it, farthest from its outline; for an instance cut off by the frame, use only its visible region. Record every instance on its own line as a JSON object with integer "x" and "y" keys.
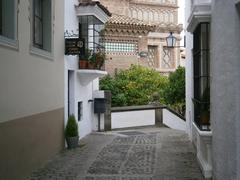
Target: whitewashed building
{"x": 83, "y": 19}
{"x": 32, "y": 86}
{"x": 212, "y": 85}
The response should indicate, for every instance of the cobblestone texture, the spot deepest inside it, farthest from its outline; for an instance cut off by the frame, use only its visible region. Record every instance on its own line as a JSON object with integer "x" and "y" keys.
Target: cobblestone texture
{"x": 151, "y": 154}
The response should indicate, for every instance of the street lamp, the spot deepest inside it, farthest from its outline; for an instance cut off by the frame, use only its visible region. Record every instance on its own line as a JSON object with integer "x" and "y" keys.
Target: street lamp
{"x": 171, "y": 41}
{"x": 168, "y": 50}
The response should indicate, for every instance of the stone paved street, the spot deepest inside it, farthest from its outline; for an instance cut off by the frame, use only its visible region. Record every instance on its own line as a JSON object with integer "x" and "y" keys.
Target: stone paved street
{"x": 140, "y": 154}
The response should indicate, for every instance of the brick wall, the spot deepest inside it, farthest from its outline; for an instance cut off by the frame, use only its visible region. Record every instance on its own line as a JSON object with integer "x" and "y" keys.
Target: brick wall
{"x": 119, "y": 62}
{"x": 117, "y": 7}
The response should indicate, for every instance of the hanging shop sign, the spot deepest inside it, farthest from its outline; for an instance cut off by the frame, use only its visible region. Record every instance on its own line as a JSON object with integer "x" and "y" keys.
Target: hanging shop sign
{"x": 74, "y": 46}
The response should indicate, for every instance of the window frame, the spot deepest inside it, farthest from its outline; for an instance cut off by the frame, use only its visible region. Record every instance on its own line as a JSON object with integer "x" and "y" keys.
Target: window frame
{"x": 40, "y": 19}
{"x": 0, "y": 16}
{"x": 153, "y": 49}
{"x": 90, "y": 30}
{"x": 201, "y": 74}
{"x": 36, "y": 50}
{"x": 169, "y": 53}
{"x": 8, "y": 42}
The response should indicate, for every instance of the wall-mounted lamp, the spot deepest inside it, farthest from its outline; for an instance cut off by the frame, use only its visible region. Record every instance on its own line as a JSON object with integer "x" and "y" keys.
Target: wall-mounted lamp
{"x": 171, "y": 41}
{"x": 168, "y": 49}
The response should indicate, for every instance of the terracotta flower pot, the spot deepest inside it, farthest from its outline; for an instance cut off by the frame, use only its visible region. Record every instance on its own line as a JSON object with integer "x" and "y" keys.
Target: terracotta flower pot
{"x": 83, "y": 64}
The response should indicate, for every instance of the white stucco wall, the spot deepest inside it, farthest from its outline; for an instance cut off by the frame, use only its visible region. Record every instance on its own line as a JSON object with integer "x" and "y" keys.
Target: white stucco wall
{"x": 83, "y": 92}
{"x": 32, "y": 84}
{"x": 173, "y": 121}
{"x": 133, "y": 118}
{"x": 201, "y": 139}
{"x": 189, "y": 72}
{"x": 225, "y": 85}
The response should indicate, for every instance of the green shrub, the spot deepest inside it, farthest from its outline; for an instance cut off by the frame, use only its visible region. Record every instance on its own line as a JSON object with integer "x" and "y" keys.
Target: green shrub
{"x": 174, "y": 91}
{"x": 134, "y": 86}
{"x": 72, "y": 127}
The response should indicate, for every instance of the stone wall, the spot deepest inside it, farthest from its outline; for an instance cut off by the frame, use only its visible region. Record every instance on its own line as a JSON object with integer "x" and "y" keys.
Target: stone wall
{"x": 117, "y": 6}
{"x": 115, "y": 63}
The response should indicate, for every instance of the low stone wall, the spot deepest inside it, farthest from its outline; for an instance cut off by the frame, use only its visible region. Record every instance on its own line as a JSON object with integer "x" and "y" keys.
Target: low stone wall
{"x": 148, "y": 115}
{"x": 173, "y": 121}
{"x": 133, "y": 118}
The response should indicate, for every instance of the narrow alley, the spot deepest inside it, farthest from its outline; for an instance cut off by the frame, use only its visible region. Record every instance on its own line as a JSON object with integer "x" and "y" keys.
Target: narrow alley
{"x": 137, "y": 154}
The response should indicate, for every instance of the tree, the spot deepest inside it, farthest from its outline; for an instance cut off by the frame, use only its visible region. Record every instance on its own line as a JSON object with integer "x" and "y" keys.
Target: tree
{"x": 174, "y": 92}
{"x": 134, "y": 86}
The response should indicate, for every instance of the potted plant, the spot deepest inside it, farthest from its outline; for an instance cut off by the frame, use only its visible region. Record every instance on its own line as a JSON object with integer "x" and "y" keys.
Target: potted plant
{"x": 71, "y": 132}
{"x": 100, "y": 58}
{"x": 96, "y": 60}
{"x": 92, "y": 61}
{"x": 84, "y": 59}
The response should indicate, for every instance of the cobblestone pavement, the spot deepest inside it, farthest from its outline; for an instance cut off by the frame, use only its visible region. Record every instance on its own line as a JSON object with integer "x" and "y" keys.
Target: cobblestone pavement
{"x": 140, "y": 154}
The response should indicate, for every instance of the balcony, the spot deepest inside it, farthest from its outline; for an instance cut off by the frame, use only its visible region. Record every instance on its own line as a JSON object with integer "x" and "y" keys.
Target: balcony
{"x": 88, "y": 75}
{"x": 92, "y": 16}
{"x": 91, "y": 68}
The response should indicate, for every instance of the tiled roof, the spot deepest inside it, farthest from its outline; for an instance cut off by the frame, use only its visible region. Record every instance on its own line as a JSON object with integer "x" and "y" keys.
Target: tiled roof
{"x": 125, "y": 20}
{"x": 117, "y": 19}
{"x": 93, "y": 3}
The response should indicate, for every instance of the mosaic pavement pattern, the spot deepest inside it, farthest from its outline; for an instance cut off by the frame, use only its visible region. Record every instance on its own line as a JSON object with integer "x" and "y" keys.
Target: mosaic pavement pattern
{"x": 130, "y": 156}
{"x": 147, "y": 154}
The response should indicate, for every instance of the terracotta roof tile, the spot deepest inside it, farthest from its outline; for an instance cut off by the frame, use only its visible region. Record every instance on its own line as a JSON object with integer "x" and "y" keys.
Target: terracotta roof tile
{"x": 125, "y": 20}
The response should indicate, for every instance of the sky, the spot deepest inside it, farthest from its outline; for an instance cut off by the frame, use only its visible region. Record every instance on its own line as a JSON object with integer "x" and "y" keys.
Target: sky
{"x": 181, "y": 17}
{"x": 181, "y": 4}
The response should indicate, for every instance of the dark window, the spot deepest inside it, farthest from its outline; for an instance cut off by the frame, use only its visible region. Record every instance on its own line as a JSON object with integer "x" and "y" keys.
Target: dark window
{"x": 7, "y": 18}
{"x": 201, "y": 62}
{"x": 42, "y": 24}
{"x": 1, "y": 12}
{"x": 38, "y": 24}
{"x": 80, "y": 111}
